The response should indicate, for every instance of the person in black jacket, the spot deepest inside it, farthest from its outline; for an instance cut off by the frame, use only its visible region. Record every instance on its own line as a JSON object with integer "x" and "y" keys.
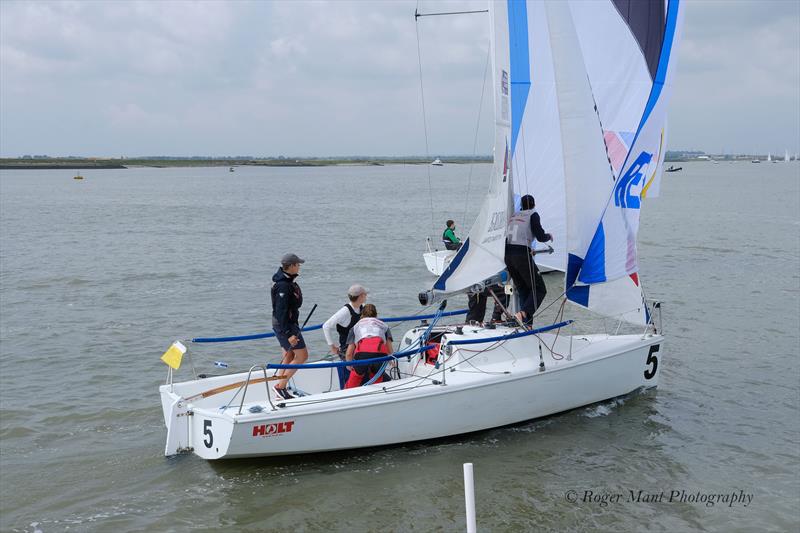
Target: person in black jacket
{"x": 523, "y": 228}
{"x": 286, "y": 301}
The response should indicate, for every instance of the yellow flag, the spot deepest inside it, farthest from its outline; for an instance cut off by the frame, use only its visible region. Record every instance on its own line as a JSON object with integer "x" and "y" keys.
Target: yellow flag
{"x": 174, "y": 355}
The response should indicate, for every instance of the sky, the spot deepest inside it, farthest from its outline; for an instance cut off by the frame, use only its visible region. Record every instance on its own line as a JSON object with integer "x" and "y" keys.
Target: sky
{"x": 136, "y": 78}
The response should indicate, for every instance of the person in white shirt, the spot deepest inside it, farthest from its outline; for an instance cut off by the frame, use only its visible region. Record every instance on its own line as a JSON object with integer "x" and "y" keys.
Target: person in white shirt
{"x": 338, "y": 326}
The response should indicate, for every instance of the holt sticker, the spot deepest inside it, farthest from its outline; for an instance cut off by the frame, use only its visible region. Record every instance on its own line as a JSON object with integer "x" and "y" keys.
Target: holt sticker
{"x": 272, "y": 430}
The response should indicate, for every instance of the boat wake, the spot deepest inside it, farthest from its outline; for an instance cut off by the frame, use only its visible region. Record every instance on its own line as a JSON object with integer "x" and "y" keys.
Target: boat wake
{"x": 603, "y": 409}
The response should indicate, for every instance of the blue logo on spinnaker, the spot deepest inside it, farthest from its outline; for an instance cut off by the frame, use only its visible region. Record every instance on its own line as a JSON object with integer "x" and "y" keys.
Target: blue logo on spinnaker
{"x": 622, "y": 191}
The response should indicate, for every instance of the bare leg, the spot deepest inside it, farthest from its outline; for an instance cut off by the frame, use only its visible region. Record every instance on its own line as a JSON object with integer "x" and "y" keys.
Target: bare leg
{"x": 294, "y": 357}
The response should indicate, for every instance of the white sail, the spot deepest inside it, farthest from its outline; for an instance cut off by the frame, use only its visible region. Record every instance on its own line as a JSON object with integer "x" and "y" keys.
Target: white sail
{"x": 482, "y": 253}
{"x": 536, "y": 143}
{"x": 786, "y": 156}
{"x": 612, "y": 253}
{"x": 620, "y": 44}
{"x": 588, "y": 175}
{"x": 589, "y": 85}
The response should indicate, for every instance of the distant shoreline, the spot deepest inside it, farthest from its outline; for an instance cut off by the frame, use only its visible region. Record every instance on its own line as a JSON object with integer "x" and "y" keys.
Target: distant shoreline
{"x": 90, "y": 164}
{"x": 45, "y": 163}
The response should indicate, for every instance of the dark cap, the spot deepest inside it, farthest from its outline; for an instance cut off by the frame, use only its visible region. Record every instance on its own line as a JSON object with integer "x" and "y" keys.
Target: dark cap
{"x": 291, "y": 259}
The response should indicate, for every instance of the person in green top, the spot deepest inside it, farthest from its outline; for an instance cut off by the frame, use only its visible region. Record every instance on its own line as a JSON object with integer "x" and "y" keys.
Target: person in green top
{"x": 451, "y": 242}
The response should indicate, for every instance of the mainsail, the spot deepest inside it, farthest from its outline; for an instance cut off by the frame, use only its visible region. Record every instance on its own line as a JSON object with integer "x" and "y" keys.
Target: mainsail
{"x": 589, "y": 85}
{"x": 481, "y": 255}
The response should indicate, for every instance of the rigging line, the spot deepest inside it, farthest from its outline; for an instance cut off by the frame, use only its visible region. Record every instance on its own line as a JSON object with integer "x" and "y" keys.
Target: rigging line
{"x": 417, "y": 14}
{"x": 539, "y": 311}
{"x": 531, "y": 259}
{"x": 477, "y": 126}
{"x": 424, "y": 120}
{"x": 524, "y": 160}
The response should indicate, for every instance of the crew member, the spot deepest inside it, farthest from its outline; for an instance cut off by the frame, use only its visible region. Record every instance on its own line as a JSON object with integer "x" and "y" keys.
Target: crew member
{"x": 370, "y": 338}
{"x": 451, "y": 242}
{"x": 522, "y": 229}
{"x": 476, "y": 304}
{"x": 286, "y": 301}
{"x": 341, "y": 323}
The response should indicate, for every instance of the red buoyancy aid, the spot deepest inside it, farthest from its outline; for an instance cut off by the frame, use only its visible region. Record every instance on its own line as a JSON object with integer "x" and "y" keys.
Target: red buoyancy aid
{"x": 366, "y": 348}
{"x": 372, "y": 345}
{"x": 432, "y": 355}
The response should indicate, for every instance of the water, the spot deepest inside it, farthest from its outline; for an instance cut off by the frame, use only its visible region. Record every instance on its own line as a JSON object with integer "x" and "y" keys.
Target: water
{"x": 99, "y": 276}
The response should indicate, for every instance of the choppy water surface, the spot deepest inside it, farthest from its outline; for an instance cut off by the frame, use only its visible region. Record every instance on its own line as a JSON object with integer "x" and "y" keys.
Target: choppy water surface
{"x": 99, "y": 276}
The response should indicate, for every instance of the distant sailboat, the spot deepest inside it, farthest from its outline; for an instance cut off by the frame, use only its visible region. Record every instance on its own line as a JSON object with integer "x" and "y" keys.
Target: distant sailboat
{"x": 77, "y": 176}
{"x": 786, "y": 158}
{"x": 769, "y": 157}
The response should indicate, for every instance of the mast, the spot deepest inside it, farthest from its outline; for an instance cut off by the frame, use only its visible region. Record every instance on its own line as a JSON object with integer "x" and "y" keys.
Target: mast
{"x": 481, "y": 256}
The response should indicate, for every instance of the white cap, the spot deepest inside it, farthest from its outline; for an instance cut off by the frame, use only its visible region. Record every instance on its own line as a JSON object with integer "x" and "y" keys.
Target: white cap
{"x": 357, "y": 290}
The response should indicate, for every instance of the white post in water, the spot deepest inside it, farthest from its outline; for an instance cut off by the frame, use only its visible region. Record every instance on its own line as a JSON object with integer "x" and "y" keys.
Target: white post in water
{"x": 469, "y": 497}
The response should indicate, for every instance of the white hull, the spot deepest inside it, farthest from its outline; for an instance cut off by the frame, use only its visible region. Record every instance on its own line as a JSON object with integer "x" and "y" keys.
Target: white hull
{"x": 414, "y": 407}
{"x": 438, "y": 261}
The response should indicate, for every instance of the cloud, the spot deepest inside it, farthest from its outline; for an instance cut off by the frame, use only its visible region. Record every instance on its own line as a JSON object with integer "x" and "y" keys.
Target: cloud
{"x": 737, "y": 87}
{"x": 338, "y": 77}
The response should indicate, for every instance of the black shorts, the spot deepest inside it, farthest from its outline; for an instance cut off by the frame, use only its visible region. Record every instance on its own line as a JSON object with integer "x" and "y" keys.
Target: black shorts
{"x": 284, "y": 341}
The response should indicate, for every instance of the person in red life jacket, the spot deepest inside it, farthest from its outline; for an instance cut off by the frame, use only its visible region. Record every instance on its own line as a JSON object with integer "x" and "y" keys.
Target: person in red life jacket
{"x": 370, "y": 338}
{"x": 522, "y": 229}
{"x": 286, "y": 301}
{"x": 341, "y": 323}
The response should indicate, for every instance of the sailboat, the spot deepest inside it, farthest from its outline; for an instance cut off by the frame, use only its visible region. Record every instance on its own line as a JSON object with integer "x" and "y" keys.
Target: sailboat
{"x": 452, "y": 379}
{"x": 769, "y": 157}
{"x": 437, "y": 261}
{"x": 786, "y": 156}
